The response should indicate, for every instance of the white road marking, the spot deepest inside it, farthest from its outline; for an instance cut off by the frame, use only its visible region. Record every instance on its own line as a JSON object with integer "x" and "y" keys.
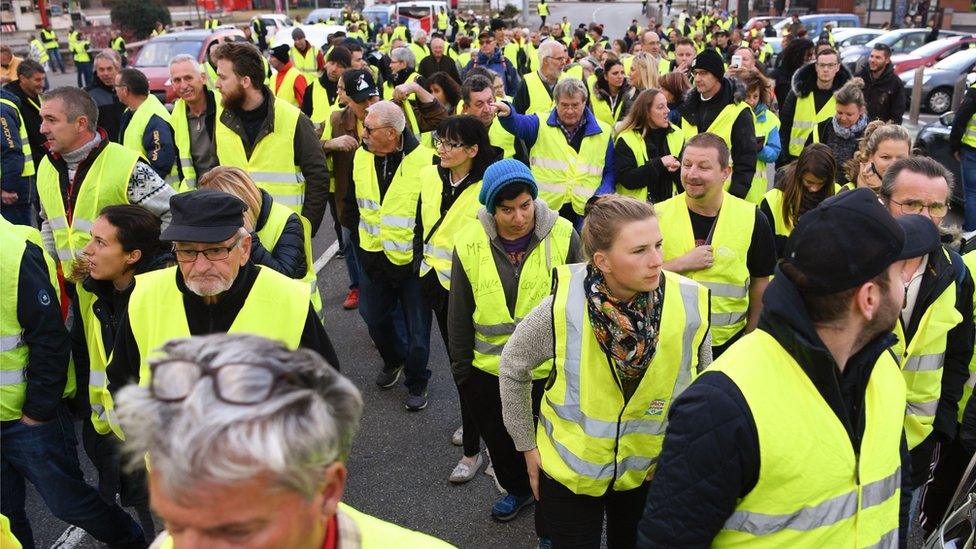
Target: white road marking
{"x": 69, "y": 539}
{"x": 324, "y": 259}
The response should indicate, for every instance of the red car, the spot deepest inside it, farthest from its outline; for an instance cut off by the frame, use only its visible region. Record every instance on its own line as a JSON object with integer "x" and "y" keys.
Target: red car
{"x": 931, "y": 53}
{"x": 153, "y": 58}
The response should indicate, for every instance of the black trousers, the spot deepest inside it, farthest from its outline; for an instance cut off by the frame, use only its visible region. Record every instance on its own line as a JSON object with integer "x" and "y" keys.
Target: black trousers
{"x": 472, "y": 437}
{"x": 575, "y": 521}
{"x": 482, "y": 394}
{"x": 950, "y": 463}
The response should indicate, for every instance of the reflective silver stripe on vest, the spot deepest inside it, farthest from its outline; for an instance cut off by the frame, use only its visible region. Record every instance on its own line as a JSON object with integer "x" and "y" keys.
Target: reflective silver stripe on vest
{"x": 65, "y": 255}
{"x": 190, "y": 182}
{"x": 549, "y": 163}
{"x": 11, "y": 377}
{"x": 727, "y": 319}
{"x": 880, "y": 491}
{"x": 551, "y": 187}
{"x": 277, "y": 177}
{"x": 501, "y": 329}
{"x": 367, "y": 204}
{"x": 887, "y": 541}
{"x": 59, "y": 222}
{"x": 391, "y": 246}
{"x": 571, "y": 412}
{"x": 81, "y": 224}
{"x": 486, "y": 348}
{"x": 924, "y": 363}
{"x": 803, "y": 124}
{"x": 288, "y": 199}
{"x": 719, "y": 289}
{"x": 369, "y": 228}
{"x": 826, "y": 513}
{"x": 10, "y": 342}
{"x": 399, "y": 221}
{"x": 186, "y": 162}
{"x": 971, "y": 132}
{"x": 923, "y": 408}
{"x": 971, "y": 382}
{"x": 590, "y": 169}
{"x": 97, "y": 379}
{"x": 438, "y": 252}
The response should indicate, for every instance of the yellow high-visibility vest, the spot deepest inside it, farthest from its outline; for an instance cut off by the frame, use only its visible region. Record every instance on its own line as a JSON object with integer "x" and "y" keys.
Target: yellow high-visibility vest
{"x": 969, "y": 138}
{"x": 721, "y": 126}
{"x": 13, "y": 349}
{"x": 563, "y": 175}
{"x": 271, "y": 232}
{"x": 760, "y": 182}
{"x": 103, "y": 416}
{"x": 967, "y": 389}
{"x": 407, "y": 104}
{"x": 307, "y": 63}
{"x": 285, "y": 92}
{"x": 440, "y": 231}
{"x": 921, "y": 361}
{"x": 136, "y": 130}
{"x": 635, "y": 141}
{"x": 106, "y": 183}
{"x": 493, "y": 324}
{"x": 276, "y": 307}
{"x": 540, "y": 101}
{"x": 805, "y": 121}
{"x": 269, "y": 164}
{"x": 728, "y": 277}
{"x": 25, "y": 147}
{"x": 50, "y": 39}
{"x": 590, "y": 439}
{"x": 386, "y": 224}
{"x": 543, "y": 9}
{"x": 79, "y": 49}
{"x": 814, "y": 491}
{"x": 181, "y": 134}
{"x": 499, "y": 137}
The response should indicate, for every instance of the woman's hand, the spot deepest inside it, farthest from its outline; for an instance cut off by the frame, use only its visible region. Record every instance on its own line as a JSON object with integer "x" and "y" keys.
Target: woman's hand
{"x": 533, "y": 464}
{"x": 670, "y": 163}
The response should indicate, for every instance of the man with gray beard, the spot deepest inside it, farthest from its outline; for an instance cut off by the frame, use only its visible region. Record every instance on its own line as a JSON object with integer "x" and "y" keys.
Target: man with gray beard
{"x": 213, "y": 288}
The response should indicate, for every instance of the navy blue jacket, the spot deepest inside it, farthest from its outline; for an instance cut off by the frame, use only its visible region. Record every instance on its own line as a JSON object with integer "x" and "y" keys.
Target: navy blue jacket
{"x": 497, "y": 63}
{"x": 710, "y": 457}
{"x": 11, "y": 150}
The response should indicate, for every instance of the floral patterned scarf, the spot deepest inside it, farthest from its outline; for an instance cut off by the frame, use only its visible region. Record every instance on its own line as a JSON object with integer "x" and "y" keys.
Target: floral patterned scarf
{"x": 627, "y": 332}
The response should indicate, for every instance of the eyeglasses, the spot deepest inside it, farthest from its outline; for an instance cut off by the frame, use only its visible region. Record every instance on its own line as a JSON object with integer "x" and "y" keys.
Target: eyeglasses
{"x": 367, "y": 129}
{"x": 936, "y": 210}
{"x": 445, "y": 145}
{"x": 213, "y": 254}
{"x": 174, "y": 380}
{"x": 827, "y": 65}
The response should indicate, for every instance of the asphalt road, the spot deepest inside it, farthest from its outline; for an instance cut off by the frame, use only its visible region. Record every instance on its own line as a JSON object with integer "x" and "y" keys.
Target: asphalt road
{"x": 401, "y": 460}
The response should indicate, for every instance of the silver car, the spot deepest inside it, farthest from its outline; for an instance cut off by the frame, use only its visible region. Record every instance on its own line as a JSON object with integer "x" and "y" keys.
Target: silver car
{"x": 939, "y": 80}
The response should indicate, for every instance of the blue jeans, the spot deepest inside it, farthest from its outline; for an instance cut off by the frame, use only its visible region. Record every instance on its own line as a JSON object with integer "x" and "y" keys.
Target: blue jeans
{"x": 378, "y": 306}
{"x": 968, "y": 168}
{"x": 352, "y": 264}
{"x": 85, "y": 73}
{"x": 55, "y": 61}
{"x": 47, "y": 456}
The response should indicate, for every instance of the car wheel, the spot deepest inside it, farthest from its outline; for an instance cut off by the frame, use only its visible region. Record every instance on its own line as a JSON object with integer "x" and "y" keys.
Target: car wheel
{"x": 939, "y": 100}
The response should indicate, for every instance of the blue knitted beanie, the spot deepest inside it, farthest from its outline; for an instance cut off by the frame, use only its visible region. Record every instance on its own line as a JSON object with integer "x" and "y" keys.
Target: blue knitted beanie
{"x": 500, "y": 174}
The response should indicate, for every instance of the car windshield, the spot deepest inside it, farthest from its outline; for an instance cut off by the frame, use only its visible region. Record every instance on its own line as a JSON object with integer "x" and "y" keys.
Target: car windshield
{"x": 888, "y": 38}
{"x": 383, "y": 16}
{"x": 157, "y": 53}
{"x": 933, "y": 48}
{"x": 959, "y": 61}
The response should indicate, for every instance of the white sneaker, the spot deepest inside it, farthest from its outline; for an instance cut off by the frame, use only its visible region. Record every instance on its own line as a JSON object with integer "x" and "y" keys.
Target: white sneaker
{"x": 457, "y": 438}
{"x": 463, "y": 472}
{"x": 490, "y": 471}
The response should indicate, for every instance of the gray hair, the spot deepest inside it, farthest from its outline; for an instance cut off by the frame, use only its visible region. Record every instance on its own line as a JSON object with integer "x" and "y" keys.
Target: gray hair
{"x": 419, "y": 34}
{"x": 187, "y": 58}
{"x": 921, "y": 165}
{"x": 390, "y": 114}
{"x": 548, "y": 49}
{"x": 307, "y": 423}
{"x": 108, "y": 54}
{"x": 404, "y": 54}
{"x": 77, "y": 103}
{"x": 570, "y": 87}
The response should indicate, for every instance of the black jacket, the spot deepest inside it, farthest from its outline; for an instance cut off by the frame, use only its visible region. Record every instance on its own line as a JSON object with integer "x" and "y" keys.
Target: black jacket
{"x": 429, "y": 65}
{"x": 32, "y": 121}
{"x": 885, "y": 95}
{"x": 203, "y": 319}
{"x": 804, "y": 83}
{"x": 710, "y": 457}
{"x": 965, "y": 113}
{"x": 652, "y": 176}
{"x": 703, "y": 113}
{"x": 110, "y": 109}
{"x": 288, "y": 255}
{"x": 45, "y": 336}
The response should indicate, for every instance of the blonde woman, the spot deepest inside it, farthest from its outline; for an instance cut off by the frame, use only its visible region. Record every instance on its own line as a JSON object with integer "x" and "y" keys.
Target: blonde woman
{"x": 646, "y": 150}
{"x": 880, "y": 147}
{"x": 280, "y": 238}
{"x": 643, "y": 72}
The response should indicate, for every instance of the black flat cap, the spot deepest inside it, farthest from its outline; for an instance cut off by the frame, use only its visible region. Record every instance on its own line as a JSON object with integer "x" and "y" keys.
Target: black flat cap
{"x": 205, "y": 215}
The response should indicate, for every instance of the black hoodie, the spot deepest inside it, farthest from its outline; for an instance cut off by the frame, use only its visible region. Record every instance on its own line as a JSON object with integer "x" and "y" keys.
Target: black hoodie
{"x": 703, "y": 113}
{"x": 885, "y": 94}
{"x": 805, "y": 83}
{"x": 710, "y": 457}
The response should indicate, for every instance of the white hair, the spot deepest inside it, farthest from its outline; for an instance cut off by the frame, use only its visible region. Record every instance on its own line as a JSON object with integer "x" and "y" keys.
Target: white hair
{"x": 419, "y": 34}
{"x": 570, "y": 87}
{"x": 547, "y": 49}
{"x": 390, "y": 114}
{"x": 108, "y": 54}
{"x": 187, "y": 58}
{"x": 404, "y": 54}
{"x": 306, "y": 424}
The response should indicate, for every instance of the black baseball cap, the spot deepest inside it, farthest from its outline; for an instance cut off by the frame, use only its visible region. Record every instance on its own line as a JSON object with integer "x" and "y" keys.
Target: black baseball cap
{"x": 851, "y": 238}
{"x": 205, "y": 215}
{"x": 359, "y": 85}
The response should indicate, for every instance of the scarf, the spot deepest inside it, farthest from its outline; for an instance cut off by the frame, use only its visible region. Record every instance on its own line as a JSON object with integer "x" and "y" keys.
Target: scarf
{"x": 627, "y": 332}
{"x": 853, "y": 131}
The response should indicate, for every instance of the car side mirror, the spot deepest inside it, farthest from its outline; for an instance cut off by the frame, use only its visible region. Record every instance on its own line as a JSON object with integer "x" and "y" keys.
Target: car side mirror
{"x": 947, "y": 119}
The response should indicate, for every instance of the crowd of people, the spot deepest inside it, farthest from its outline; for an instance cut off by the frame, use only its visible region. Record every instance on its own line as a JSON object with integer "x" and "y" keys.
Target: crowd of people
{"x": 691, "y": 293}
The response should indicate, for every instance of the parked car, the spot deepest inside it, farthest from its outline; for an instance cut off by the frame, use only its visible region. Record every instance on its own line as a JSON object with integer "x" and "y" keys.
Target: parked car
{"x": 153, "y": 58}
{"x": 939, "y": 80}
{"x": 815, "y": 25}
{"x": 273, "y": 22}
{"x": 379, "y": 12}
{"x": 857, "y": 36}
{"x": 899, "y": 40}
{"x": 933, "y": 141}
{"x": 324, "y": 14}
{"x": 931, "y": 53}
{"x": 316, "y": 34}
